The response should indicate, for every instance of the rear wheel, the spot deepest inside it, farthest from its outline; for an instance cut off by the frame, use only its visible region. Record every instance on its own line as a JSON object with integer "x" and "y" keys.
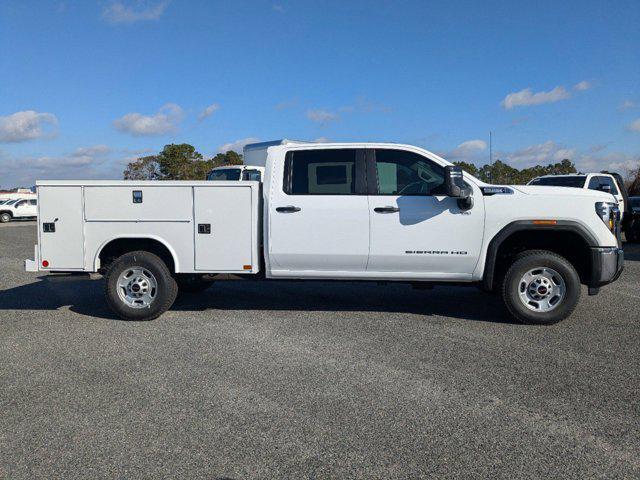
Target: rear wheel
{"x": 5, "y": 217}
{"x": 139, "y": 286}
{"x": 541, "y": 287}
{"x": 192, "y": 283}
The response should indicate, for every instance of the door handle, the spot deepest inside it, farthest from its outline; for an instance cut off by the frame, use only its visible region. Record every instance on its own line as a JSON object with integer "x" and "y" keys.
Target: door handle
{"x": 288, "y": 209}
{"x": 386, "y": 209}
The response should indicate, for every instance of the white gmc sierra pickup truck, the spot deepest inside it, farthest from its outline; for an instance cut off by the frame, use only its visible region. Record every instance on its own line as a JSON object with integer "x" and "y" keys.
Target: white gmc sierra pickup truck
{"x": 352, "y": 211}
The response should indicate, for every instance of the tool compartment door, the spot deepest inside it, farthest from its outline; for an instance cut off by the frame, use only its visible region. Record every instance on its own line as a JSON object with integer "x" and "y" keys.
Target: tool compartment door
{"x": 223, "y": 228}
{"x": 61, "y": 206}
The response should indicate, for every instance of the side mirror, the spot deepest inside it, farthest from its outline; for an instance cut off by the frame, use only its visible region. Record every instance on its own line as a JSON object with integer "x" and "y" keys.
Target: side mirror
{"x": 605, "y": 188}
{"x": 454, "y": 183}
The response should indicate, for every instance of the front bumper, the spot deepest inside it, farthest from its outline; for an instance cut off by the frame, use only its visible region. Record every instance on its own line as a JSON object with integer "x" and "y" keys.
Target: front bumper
{"x": 606, "y": 265}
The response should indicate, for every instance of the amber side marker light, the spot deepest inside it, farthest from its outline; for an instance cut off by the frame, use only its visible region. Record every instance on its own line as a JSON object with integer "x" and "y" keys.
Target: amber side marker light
{"x": 545, "y": 222}
{"x": 246, "y": 267}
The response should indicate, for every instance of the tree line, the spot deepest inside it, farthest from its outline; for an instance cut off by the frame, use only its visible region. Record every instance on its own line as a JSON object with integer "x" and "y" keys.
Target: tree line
{"x": 178, "y": 162}
{"x": 184, "y": 162}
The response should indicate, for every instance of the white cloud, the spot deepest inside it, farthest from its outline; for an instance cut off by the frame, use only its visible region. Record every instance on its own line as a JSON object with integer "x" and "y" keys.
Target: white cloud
{"x": 526, "y": 97}
{"x": 634, "y": 126}
{"x": 322, "y": 116}
{"x": 322, "y": 140}
{"x": 163, "y": 122}
{"x": 627, "y": 104}
{"x": 238, "y": 145}
{"x": 469, "y": 148}
{"x": 27, "y": 125}
{"x": 131, "y": 12}
{"x": 95, "y": 150}
{"x": 594, "y": 159}
{"x": 207, "y": 112}
{"x": 582, "y": 86}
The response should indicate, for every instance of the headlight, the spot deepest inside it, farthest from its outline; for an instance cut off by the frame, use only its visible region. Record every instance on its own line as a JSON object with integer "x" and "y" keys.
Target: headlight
{"x": 609, "y": 213}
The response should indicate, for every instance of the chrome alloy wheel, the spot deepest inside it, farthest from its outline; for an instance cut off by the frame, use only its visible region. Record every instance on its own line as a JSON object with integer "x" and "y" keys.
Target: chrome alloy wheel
{"x": 137, "y": 287}
{"x": 541, "y": 289}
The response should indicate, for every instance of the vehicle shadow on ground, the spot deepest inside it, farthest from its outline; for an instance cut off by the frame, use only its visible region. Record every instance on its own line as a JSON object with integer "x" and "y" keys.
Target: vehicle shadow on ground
{"x": 631, "y": 251}
{"x": 86, "y": 297}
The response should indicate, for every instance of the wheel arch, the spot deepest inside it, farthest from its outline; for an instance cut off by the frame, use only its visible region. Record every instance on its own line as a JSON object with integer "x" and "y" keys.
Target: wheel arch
{"x": 128, "y": 243}
{"x": 565, "y": 228}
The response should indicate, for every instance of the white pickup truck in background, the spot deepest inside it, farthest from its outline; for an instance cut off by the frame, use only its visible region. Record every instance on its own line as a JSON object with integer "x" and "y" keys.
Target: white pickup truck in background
{"x": 352, "y": 211}
{"x": 18, "y": 208}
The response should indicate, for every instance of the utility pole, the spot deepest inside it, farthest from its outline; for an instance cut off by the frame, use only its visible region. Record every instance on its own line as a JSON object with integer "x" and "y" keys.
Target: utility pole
{"x": 490, "y": 156}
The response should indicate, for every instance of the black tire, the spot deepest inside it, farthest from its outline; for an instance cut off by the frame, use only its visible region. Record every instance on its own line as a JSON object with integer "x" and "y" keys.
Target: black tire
{"x": 5, "y": 217}
{"x": 192, "y": 283}
{"x": 165, "y": 294}
{"x": 531, "y": 260}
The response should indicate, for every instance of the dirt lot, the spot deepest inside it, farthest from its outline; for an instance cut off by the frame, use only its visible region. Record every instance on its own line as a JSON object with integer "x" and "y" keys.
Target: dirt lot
{"x": 295, "y": 380}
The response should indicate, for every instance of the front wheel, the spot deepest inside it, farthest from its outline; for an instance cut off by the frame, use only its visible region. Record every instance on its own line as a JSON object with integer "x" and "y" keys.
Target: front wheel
{"x": 541, "y": 287}
{"x": 5, "y": 218}
{"x": 139, "y": 286}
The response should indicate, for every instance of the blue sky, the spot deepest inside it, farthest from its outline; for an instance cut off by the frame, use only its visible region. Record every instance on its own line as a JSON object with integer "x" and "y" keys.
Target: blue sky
{"x": 87, "y": 86}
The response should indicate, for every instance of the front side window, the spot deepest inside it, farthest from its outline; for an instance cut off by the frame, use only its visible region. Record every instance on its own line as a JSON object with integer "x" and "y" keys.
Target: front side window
{"x": 407, "y": 173}
{"x": 21, "y": 203}
{"x": 33, "y": 202}
{"x": 321, "y": 172}
{"x": 232, "y": 174}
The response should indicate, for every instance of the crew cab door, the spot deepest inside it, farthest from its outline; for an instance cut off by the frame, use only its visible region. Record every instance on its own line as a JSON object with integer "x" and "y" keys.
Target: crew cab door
{"x": 416, "y": 231}
{"x": 319, "y": 214}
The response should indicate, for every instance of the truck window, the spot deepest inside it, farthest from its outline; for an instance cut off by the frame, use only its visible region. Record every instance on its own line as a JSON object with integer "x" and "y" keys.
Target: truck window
{"x": 559, "y": 181}
{"x": 251, "y": 175}
{"x": 609, "y": 181}
{"x": 596, "y": 183}
{"x": 321, "y": 172}
{"x": 406, "y": 173}
{"x": 33, "y": 202}
{"x": 232, "y": 174}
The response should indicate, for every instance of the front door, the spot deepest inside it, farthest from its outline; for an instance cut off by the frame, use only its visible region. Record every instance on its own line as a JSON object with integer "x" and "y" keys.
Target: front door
{"x": 319, "y": 219}
{"x": 415, "y": 229}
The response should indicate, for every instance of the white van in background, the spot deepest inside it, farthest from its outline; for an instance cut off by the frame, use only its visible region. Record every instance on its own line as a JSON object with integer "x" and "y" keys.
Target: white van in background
{"x": 236, "y": 173}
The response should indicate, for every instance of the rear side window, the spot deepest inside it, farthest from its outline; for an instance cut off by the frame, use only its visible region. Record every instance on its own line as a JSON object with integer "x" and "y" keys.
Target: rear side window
{"x": 225, "y": 174}
{"x": 575, "y": 182}
{"x": 407, "y": 173}
{"x": 321, "y": 172}
{"x": 251, "y": 175}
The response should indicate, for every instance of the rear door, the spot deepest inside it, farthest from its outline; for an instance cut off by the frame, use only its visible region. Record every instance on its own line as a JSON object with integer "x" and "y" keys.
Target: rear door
{"x": 319, "y": 214}
{"x": 62, "y": 244}
{"x": 417, "y": 231}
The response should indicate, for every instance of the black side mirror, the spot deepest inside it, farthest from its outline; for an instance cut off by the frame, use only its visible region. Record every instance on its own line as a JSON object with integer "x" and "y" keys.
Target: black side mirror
{"x": 454, "y": 183}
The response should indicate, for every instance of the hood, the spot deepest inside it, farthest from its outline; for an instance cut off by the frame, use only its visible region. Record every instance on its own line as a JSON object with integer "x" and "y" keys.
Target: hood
{"x": 564, "y": 192}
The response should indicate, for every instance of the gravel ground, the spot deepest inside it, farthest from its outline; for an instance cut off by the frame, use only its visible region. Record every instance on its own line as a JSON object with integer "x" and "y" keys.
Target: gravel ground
{"x": 313, "y": 380}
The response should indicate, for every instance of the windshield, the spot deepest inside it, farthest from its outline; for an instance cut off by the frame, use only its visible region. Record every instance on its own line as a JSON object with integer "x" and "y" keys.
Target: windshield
{"x": 574, "y": 181}
{"x": 225, "y": 174}
{"x": 11, "y": 202}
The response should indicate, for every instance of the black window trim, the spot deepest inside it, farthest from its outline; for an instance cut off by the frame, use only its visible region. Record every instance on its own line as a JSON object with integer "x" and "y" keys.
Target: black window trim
{"x": 360, "y": 173}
